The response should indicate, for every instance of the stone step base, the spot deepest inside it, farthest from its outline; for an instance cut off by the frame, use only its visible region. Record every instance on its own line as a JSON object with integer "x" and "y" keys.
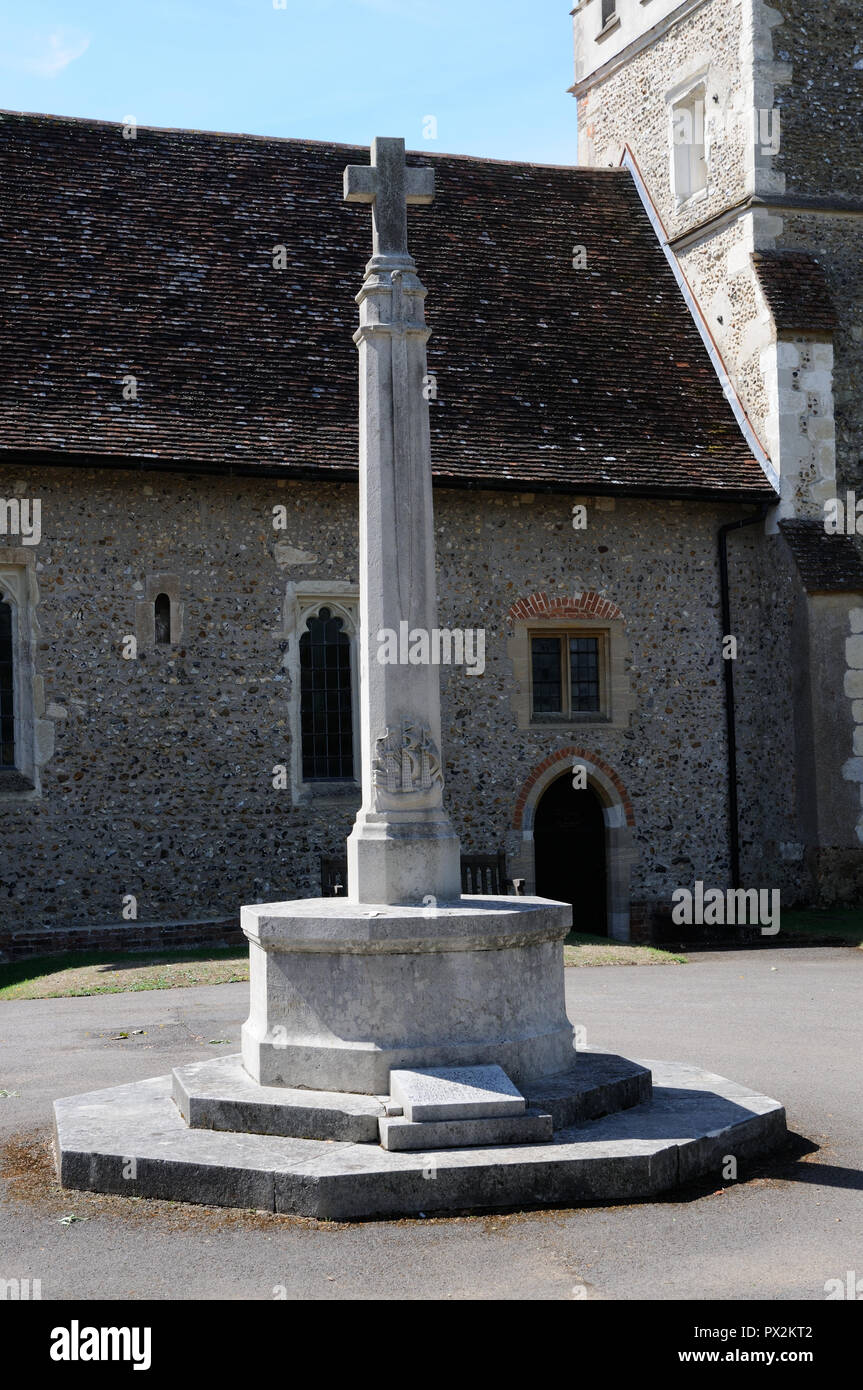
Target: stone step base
{"x": 685, "y": 1132}
{"x": 402, "y": 1136}
{"x": 221, "y": 1095}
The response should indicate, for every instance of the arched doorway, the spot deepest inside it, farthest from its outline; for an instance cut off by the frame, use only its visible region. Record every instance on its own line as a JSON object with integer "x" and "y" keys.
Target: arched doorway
{"x": 569, "y": 847}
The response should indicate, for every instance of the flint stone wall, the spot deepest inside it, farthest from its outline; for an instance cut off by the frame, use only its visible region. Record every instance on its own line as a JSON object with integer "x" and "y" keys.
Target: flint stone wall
{"x": 160, "y": 783}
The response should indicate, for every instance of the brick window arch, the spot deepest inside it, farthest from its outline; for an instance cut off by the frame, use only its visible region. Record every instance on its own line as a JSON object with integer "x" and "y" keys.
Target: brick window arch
{"x": 581, "y": 606}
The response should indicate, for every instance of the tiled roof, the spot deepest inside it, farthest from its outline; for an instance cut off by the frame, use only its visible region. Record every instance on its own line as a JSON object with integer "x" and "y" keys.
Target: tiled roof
{"x": 795, "y": 287}
{"x": 826, "y": 564}
{"x": 153, "y": 258}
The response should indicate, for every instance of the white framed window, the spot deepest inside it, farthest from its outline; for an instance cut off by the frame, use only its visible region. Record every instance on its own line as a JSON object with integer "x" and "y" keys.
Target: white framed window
{"x": 608, "y": 17}
{"x": 8, "y": 680}
{"x": 321, "y": 624}
{"x": 26, "y": 738}
{"x": 689, "y": 167}
{"x": 327, "y": 697}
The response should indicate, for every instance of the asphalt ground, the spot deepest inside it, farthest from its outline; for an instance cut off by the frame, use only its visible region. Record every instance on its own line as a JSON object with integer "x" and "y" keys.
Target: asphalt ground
{"x": 789, "y": 1022}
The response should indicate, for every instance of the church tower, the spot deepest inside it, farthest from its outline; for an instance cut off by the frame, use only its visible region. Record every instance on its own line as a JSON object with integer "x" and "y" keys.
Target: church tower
{"x": 740, "y": 122}
{"x": 743, "y": 124}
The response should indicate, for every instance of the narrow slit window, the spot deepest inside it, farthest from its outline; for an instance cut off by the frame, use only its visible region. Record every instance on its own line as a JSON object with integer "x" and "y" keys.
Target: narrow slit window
{"x": 7, "y": 687}
{"x": 609, "y": 10}
{"x": 163, "y": 620}
{"x": 326, "y": 709}
{"x": 689, "y": 167}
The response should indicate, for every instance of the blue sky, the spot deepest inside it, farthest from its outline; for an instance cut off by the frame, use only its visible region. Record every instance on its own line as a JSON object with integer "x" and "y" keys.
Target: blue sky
{"x": 494, "y": 73}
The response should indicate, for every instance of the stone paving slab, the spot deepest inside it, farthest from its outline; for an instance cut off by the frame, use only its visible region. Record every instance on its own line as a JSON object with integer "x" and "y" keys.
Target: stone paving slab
{"x": 684, "y": 1132}
{"x": 455, "y": 1093}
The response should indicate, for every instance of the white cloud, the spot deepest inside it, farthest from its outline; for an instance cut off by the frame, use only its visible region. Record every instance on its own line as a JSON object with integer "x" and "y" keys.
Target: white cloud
{"x": 44, "y": 54}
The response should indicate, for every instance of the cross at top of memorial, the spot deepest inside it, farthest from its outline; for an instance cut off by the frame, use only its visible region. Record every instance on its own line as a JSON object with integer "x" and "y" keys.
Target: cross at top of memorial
{"x": 389, "y": 186}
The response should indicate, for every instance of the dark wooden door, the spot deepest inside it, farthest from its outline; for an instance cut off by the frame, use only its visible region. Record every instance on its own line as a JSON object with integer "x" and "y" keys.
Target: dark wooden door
{"x": 569, "y": 841}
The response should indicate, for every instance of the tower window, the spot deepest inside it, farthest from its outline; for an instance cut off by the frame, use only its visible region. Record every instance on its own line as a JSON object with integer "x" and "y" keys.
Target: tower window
{"x": 7, "y": 687}
{"x": 162, "y": 608}
{"x": 689, "y": 155}
{"x": 326, "y": 715}
{"x": 609, "y": 11}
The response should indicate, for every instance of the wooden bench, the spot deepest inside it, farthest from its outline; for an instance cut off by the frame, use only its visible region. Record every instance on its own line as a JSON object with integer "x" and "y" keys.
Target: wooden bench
{"x": 480, "y": 873}
{"x": 334, "y": 875}
{"x": 484, "y": 873}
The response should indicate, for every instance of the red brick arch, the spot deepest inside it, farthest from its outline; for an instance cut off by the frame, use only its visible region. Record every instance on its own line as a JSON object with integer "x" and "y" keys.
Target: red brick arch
{"x": 589, "y": 604}
{"x": 569, "y": 755}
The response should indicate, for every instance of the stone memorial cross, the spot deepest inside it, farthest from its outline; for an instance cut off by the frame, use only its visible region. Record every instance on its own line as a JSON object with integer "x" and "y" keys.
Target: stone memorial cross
{"x": 403, "y": 849}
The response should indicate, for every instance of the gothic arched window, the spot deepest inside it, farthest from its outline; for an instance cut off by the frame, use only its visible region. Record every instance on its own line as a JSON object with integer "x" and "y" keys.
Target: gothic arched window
{"x": 326, "y": 716}
{"x": 7, "y": 686}
{"x": 162, "y": 615}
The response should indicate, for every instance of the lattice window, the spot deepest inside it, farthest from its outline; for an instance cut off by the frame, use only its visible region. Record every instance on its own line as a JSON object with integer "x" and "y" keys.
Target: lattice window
{"x": 326, "y": 715}
{"x": 584, "y": 674}
{"x": 547, "y": 675}
{"x": 567, "y": 674}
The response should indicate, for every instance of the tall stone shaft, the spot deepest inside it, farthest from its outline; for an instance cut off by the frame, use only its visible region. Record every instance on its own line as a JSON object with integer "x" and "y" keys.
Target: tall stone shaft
{"x": 403, "y": 848}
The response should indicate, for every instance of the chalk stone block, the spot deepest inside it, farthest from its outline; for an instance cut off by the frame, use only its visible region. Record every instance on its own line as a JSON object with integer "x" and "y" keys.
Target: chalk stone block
{"x": 492, "y": 1131}
{"x": 455, "y": 1093}
{"x": 854, "y": 684}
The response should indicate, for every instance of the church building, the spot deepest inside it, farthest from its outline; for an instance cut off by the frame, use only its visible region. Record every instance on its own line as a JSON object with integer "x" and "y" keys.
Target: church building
{"x": 647, "y": 429}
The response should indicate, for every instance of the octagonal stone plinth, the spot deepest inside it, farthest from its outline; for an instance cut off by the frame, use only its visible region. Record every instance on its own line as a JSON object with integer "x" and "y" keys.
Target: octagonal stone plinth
{"x": 684, "y": 1132}
{"x": 342, "y": 992}
{"x": 220, "y": 1094}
